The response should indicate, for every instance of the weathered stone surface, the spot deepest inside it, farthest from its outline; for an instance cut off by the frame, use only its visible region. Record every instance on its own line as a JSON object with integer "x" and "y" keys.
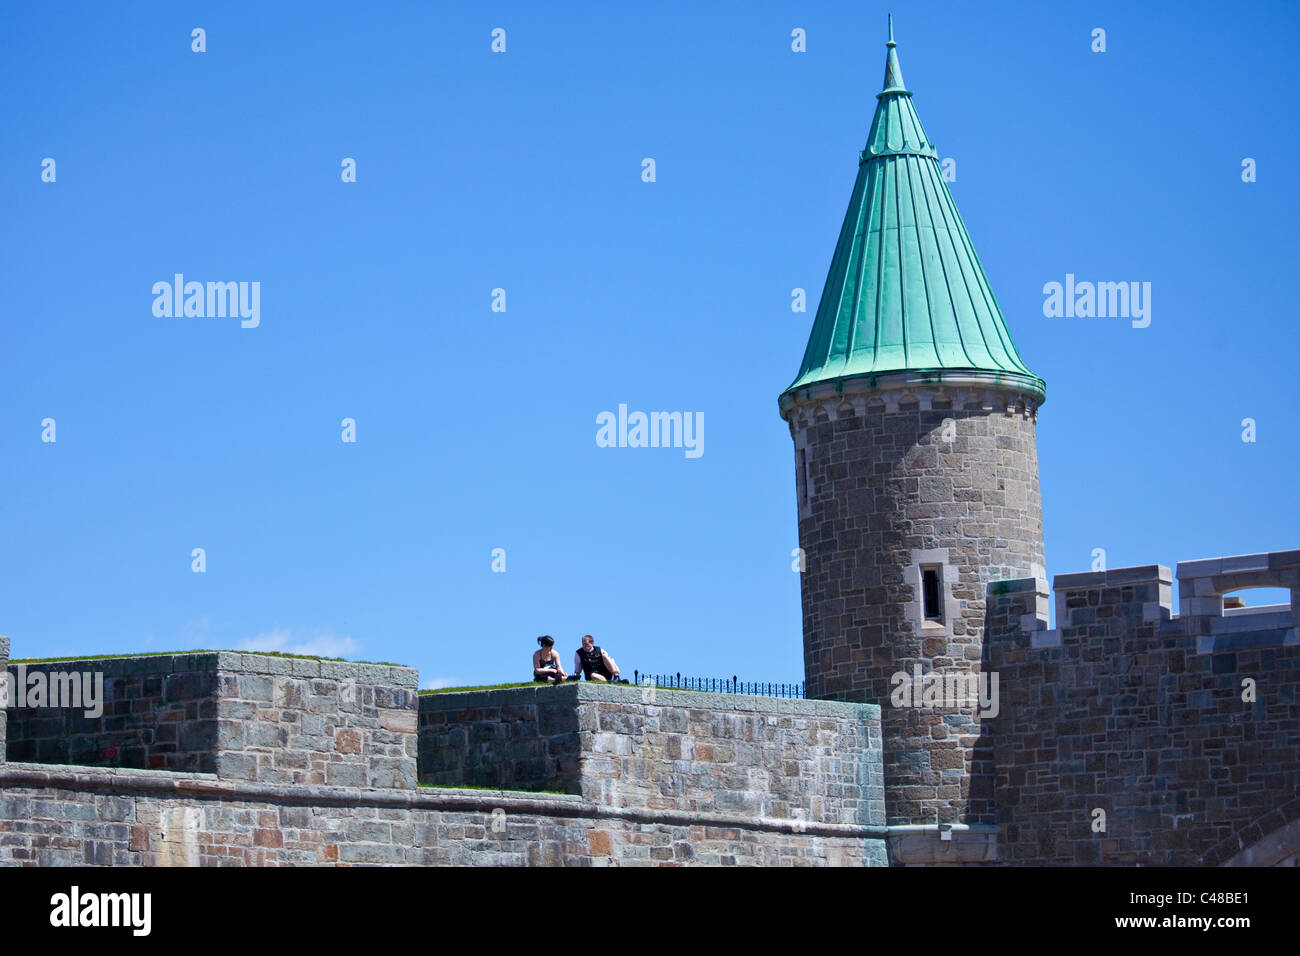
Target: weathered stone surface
{"x": 890, "y": 483}
{"x": 1122, "y": 715}
{"x": 829, "y": 771}
{"x": 178, "y": 819}
{"x": 256, "y": 718}
{"x": 152, "y": 718}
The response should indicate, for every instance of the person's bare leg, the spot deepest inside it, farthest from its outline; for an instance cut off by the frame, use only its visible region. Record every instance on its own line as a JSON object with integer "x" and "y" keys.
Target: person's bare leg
{"x": 597, "y": 677}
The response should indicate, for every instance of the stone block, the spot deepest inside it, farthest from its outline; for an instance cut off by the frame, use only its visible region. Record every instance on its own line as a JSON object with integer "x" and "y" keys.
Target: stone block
{"x": 237, "y": 766}
{"x": 345, "y": 775}
{"x": 188, "y": 686}
{"x": 267, "y": 735}
{"x": 374, "y": 853}
{"x": 305, "y": 668}
{"x": 229, "y": 661}
{"x": 256, "y": 687}
{"x": 338, "y": 670}
{"x": 398, "y": 721}
{"x": 407, "y": 678}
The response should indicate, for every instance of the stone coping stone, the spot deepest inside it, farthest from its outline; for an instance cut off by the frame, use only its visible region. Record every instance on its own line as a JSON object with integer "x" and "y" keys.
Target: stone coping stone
{"x": 62, "y": 770}
{"x": 130, "y": 666}
{"x": 251, "y": 663}
{"x": 1109, "y": 578}
{"x": 243, "y": 662}
{"x": 1263, "y": 561}
{"x": 1283, "y": 611}
{"x": 1248, "y": 640}
{"x": 663, "y": 697}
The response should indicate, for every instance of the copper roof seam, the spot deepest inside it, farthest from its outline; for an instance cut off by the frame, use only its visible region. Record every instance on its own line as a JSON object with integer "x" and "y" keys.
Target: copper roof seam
{"x": 926, "y": 188}
{"x": 947, "y": 281}
{"x": 862, "y": 242}
{"x": 920, "y": 257}
{"x": 880, "y": 277}
{"x": 902, "y": 259}
{"x": 962, "y": 263}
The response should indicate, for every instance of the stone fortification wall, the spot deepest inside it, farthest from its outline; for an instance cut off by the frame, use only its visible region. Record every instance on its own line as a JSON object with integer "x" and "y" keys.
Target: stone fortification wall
{"x": 241, "y": 716}
{"x": 1183, "y": 730}
{"x": 662, "y": 749}
{"x": 61, "y": 816}
{"x": 518, "y": 738}
{"x": 159, "y": 712}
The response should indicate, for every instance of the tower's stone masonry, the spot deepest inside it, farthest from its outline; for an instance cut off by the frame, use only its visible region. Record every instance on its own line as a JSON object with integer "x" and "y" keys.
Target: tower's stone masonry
{"x": 890, "y": 484}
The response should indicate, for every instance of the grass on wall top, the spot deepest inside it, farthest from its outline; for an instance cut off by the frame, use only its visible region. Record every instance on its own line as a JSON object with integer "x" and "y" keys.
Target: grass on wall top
{"x": 458, "y": 690}
{"x": 104, "y": 657}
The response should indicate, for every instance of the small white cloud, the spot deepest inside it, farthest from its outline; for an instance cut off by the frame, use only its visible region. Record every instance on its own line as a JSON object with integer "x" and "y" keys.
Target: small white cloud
{"x": 285, "y": 642}
{"x": 438, "y": 683}
{"x": 196, "y": 632}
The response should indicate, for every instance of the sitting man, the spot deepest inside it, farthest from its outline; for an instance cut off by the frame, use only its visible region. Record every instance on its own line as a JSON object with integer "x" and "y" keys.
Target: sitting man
{"x": 594, "y": 663}
{"x": 546, "y": 663}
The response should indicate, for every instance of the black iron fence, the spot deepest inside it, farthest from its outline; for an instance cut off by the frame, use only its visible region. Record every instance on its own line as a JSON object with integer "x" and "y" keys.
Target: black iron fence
{"x": 719, "y": 685}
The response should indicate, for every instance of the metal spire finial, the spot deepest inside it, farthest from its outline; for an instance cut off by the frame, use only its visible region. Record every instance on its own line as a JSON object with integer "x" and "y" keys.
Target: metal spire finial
{"x": 893, "y": 74}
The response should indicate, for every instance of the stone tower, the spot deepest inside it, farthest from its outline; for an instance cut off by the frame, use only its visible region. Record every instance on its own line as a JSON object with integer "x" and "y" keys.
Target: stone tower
{"x": 913, "y": 421}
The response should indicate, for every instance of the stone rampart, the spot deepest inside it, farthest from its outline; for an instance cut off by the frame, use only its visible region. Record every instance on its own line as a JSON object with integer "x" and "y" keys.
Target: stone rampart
{"x": 63, "y": 816}
{"x": 241, "y": 716}
{"x": 1180, "y": 729}
{"x": 158, "y": 712}
{"x": 813, "y": 760}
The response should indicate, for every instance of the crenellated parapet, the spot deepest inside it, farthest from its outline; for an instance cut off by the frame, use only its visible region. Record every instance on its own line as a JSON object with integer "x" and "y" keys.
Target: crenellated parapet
{"x": 1131, "y": 735}
{"x": 1087, "y": 603}
{"x": 1202, "y": 585}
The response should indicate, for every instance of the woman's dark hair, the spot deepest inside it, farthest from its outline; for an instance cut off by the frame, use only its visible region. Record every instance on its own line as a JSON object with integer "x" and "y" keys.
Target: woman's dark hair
{"x": 546, "y": 640}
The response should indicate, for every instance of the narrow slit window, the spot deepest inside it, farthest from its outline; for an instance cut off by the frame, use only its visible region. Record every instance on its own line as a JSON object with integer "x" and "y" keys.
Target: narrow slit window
{"x": 931, "y": 594}
{"x": 805, "y": 480}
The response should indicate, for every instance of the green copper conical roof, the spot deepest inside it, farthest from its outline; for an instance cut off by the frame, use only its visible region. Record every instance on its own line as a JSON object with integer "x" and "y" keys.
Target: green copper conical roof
{"x": 906, "y": 291}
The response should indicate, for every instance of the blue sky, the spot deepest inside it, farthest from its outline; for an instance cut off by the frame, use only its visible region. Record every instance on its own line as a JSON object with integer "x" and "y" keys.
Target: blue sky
{"x": 523, "y": 171}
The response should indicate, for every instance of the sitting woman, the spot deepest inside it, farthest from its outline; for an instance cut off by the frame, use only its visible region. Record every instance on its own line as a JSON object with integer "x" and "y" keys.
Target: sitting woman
{"x": 546, "y": 663}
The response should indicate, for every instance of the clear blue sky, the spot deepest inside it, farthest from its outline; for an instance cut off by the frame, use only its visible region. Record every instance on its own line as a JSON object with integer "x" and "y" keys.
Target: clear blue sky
{"x": 476, "y": 429}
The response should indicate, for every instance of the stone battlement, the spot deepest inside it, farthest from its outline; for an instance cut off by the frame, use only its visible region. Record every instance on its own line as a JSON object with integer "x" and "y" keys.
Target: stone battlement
{"x": 1131, "y": 735}
{"x": 1081, "y": 598}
